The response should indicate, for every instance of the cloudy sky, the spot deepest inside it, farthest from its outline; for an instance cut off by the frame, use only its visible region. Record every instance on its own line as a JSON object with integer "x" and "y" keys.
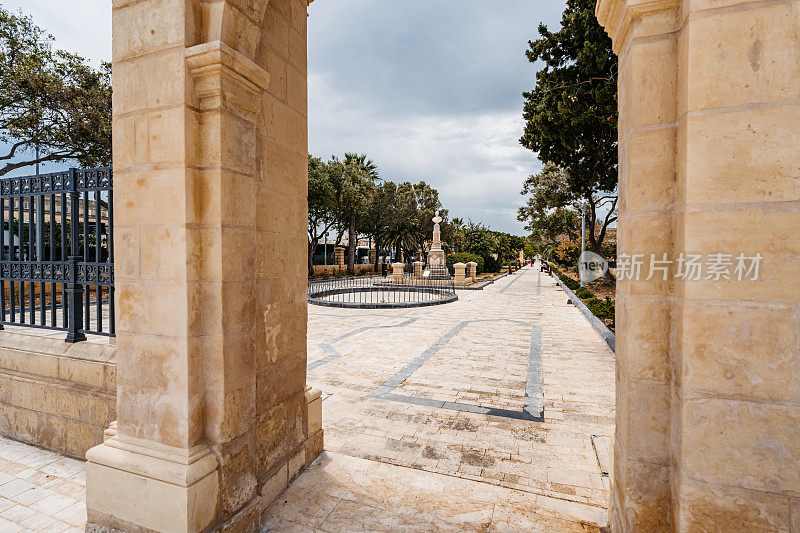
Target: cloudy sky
{"x": 429, "y": 89}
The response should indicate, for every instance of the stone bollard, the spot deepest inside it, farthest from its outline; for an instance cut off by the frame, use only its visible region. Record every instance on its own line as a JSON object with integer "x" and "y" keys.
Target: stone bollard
{"x": 397, "y": 272}
{"x": 418, "y": 266}
{"x": 460, "y": 271}
{"x": 338, "y": 256}
{"x": 472, "y": 271}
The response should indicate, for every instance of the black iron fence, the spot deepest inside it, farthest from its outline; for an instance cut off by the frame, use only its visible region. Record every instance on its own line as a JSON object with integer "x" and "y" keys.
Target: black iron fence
{"x": 57, "y": 253}
{"x": 370, "y": 292}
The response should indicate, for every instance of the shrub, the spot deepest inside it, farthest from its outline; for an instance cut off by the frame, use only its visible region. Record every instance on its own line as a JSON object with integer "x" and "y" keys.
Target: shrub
{"x": 490, "y": 264}
{"x": 583, "y": 293}
{"x": 570, "y": 283}
{"x": 602, "y": 309}
{"x": 463, "y": 258}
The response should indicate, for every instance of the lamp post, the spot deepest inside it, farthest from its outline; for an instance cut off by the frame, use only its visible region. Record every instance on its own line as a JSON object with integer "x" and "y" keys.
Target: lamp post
{"x": 583, "y": 242}
{"x": 325, "y": 249}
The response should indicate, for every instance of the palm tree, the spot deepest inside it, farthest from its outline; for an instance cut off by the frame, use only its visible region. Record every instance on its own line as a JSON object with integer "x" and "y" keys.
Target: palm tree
{"x": 360, "y": 172}
{"x": 458, "y": 233}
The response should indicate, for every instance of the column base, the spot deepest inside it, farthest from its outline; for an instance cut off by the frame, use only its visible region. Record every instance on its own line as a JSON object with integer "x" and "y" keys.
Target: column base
{"x": 135, "y": 485}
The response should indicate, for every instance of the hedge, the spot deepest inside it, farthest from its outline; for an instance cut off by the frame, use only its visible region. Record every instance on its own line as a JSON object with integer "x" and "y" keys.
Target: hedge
{"x": 463, "y": 258}
{"x": 605, "y": 310}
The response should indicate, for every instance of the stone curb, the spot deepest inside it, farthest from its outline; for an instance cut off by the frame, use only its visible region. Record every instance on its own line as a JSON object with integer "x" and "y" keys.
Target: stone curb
{"x": 601, "y": 329}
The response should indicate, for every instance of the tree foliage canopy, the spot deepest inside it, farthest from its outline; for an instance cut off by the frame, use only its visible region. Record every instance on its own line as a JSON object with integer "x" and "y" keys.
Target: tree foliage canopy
{"x": 571, "y": 122}
{"x": 50, "y": 99}
{"x": 571, "y": 114}
{"x": 349, "y": 195}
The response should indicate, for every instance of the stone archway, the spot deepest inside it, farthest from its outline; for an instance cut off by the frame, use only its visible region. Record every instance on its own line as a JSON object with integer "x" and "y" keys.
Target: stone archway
{"x": 210, "y": 161}
{"x": 210, "y": 125}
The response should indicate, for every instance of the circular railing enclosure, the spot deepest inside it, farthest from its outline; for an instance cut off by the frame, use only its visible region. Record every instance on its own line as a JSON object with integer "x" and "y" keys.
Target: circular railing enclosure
{"x": 379, "y": 292}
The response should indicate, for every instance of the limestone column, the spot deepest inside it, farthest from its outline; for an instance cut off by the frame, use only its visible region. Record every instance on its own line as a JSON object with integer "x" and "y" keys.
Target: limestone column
{"x": 707, "y": 395}
{"x": 647, "y": 45}
{"x": 210, "y": 157}
{"x": 460, "y": 275}
{"x": 418, "y": 266}
{"x": 521, "y": 258}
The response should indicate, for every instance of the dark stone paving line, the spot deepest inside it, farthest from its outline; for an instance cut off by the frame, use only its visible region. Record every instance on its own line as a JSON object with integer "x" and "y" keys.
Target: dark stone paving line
{"x": 534, "y": 391}
{"x": 521, "y": 272}
{"x": 533, "y": 408}
{"x": 330, "y": 352}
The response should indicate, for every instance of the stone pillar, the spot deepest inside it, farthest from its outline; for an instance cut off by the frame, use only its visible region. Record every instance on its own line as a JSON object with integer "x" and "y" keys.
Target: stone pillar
{"x": 707, "y": 412}
{"x": 472, "y": 271}
{"x": 397, "y": 272}
{"x": 373, "y": 255}
{"x": 460, "y": 273}
{"x": 210, "y": 157}
{"x": 521, "y": 257}
{"x": 338, "y": 257}
{"x": 418, "y": 266}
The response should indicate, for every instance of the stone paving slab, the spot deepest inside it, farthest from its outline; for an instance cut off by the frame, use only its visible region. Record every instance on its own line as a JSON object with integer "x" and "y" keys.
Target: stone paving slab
{"x": 340, "y": 493}
{"x": 385, "y": 401}
{"x": 40, "y": 490}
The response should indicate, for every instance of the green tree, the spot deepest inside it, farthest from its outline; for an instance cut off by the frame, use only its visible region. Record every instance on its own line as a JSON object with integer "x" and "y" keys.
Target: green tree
{"x": 360, "y": 174}
{"x": 551, "y": 208}
{"x": 377, "y": 218}
{"x": 52, "y": 103}
{"x": 422, "y": 204}
{"x": 456, "y": 233}
{"x": 322, "y": 203}
{"x": 571, "y": 114}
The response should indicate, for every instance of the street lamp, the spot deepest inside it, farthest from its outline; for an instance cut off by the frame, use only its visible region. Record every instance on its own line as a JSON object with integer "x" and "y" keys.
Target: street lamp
{"x": 325, "y": 248}
{"x": 583, "y": 242}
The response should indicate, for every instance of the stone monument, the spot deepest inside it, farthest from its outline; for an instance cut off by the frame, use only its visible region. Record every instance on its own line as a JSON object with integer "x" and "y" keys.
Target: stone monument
{"x": 436, "y": 260}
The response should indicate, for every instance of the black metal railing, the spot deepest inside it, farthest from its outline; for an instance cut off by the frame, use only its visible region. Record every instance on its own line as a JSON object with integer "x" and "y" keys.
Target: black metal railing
{"x": 369, "y": 292}
{"x": 57, "y": 253}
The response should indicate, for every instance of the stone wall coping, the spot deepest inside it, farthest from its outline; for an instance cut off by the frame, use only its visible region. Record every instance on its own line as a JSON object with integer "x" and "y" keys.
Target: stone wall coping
{"x": 84, "y": 364}
{"x": 616, "y": 15}
{"x": 98, "y": 352}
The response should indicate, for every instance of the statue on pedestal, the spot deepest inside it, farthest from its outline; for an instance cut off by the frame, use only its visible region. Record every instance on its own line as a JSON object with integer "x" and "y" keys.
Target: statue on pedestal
{"x": 436, "y": 259}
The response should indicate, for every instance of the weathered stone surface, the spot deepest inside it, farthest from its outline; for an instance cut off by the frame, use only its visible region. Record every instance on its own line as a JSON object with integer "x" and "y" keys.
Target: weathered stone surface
{"x": 708, "y": 114}
{"x": 53, "y": 394}
{"x": 211, "y": 167}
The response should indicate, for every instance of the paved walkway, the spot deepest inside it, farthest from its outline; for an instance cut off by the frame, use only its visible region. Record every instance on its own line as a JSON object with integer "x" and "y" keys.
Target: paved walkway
{"x": 40, "y": 490}
{"x": 506, "y": 395}
{"x": 493, "y": 413}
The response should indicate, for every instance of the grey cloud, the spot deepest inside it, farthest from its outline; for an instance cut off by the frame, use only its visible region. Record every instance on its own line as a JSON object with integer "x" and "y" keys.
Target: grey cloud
{"x": 430, "y": 90}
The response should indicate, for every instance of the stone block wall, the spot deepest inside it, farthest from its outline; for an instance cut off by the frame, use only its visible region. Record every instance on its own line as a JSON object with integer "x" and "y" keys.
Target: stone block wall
{"x": 56, "y": 395}
{"x": 333, "y": 269}
{"x": 707, "y": 394}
